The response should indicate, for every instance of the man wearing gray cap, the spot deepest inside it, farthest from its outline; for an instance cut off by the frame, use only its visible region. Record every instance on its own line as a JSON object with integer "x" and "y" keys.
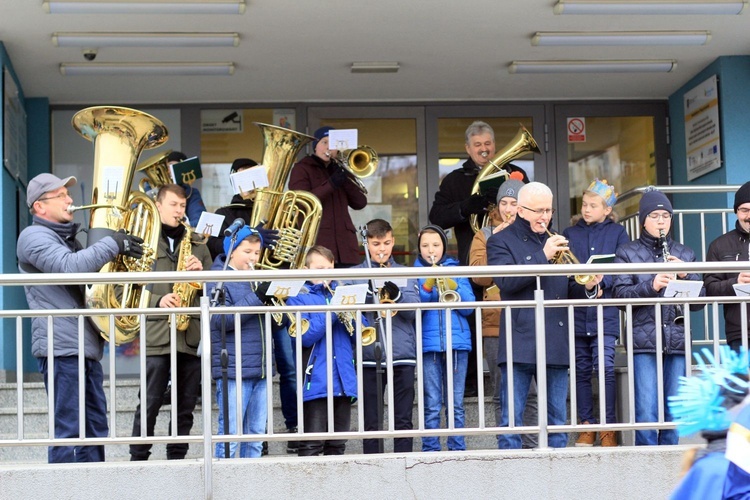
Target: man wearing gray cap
{"x": 49, "y": 245}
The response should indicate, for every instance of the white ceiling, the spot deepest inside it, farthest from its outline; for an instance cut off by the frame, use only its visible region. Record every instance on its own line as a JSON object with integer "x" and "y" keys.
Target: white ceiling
{"x": 297, "y": 51}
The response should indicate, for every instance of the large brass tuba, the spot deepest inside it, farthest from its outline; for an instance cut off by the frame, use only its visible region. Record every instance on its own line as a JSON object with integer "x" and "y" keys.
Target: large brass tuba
{"x": 521, "y": 144}
{"x": 156, "y": 171}
{"x": 119, "y": 135}
{"x": 295, "y": 214}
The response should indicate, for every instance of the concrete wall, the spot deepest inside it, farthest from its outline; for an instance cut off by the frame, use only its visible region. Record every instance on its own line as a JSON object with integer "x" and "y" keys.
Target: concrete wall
{"x": 612, "y": 473}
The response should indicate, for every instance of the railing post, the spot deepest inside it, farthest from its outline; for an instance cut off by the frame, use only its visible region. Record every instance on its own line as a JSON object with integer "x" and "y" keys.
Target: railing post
{"x": 208, "y": 491}
{"x": 541, "y": 368}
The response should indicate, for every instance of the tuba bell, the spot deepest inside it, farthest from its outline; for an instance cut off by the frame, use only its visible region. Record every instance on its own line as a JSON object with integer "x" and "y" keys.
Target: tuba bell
{"x": 294, "y": 214}
{"x": 119, "y": 135}
{"x": 521, "y": 144}
{"x": 156, "y": 171}
{"x": 358, "y": 164}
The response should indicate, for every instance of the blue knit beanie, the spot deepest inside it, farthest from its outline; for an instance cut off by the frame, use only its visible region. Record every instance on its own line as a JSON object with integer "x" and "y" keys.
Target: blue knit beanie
{"x": 241, "y": 235}
{"x": 320, "y": 134}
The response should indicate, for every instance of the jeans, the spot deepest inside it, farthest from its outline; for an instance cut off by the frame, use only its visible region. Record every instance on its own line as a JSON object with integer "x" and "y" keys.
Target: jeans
{"x": 646, "y": 397}
{"x": 66, "y": 408}
{"x": 188, "y": 389}
{"x": 587, "y": 361}
{"x": 282, "y": 350}
{"x": 316, "y": 420}
{"x": 557, "y": 396}
{"x": 403, "y": 405}
{"x": 254, "y": 415}
{"x": 436, "y": 396}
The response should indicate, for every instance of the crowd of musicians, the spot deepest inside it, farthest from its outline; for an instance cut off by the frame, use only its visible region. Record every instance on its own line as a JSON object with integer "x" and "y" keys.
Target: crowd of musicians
{"x": 518, "y": 232}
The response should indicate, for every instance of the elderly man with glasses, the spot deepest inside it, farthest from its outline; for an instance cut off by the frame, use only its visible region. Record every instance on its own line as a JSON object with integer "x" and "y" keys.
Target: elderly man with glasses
{"x": 528, "y": 242}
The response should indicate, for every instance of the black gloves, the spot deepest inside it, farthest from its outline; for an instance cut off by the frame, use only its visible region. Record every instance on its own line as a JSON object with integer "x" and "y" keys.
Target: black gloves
{"x": 128, "y": 245}
{"x": 261, "y": 292}
{"x": 490, "y": 196}
{"x": 268, "y": 237}
{"x": 338, "y": 177}
{"x": 390, "y": 288}
{"x": 475, "y": 204}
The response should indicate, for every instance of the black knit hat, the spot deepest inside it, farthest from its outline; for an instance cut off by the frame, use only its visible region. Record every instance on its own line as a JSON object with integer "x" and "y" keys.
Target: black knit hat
{"x": 436, "y": 229}
{"x": 742, "y": 196}
{"x": 176, "y": 156}
{"x": 653, "y": 199}
{"x": 242, "y": 163}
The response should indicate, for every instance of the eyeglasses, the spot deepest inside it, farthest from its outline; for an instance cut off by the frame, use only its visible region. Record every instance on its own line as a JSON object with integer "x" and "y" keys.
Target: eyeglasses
{"x": 61, "y": 195}
{"x": 743, "y": 211}
{"x": 666, "y": 216}
{"x": 542, "y": 211}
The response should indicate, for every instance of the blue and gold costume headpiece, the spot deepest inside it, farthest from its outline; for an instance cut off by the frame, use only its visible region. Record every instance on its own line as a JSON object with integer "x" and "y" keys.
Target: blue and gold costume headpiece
{"x": 604, "y": 190}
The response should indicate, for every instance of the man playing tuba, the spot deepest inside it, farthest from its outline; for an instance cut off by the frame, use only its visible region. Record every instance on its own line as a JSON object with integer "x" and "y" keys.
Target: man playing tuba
{"x": 170, "y": 203}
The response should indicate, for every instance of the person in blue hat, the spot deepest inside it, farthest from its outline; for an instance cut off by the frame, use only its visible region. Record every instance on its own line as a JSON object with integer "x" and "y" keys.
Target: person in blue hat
{"x": 322, "y": 175}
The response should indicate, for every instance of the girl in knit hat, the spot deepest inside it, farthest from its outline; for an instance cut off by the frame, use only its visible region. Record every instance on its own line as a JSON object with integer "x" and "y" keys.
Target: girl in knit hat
{"x": 436, "y": 337}
{"x": 596, "y": 233}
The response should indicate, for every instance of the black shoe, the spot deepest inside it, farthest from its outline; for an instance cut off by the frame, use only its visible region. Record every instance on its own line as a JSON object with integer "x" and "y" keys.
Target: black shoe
{"x": 292, "y": 447}
{"x": 264, "y": 450}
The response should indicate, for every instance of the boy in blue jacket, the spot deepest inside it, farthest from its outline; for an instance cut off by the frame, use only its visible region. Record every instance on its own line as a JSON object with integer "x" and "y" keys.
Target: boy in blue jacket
{"x": 596, "y": 233}
{"x": 435, "y": 338}
{"x": 254, "y": 411}
{"x": 314, "y": 386}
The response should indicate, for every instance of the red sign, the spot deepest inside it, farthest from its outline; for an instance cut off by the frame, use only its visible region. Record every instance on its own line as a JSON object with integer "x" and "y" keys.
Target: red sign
{"x": 577, "y": 129}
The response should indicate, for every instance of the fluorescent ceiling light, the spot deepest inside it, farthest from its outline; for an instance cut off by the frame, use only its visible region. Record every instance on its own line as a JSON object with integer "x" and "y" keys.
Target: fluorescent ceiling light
{"x": 156, "y": 68}
{"x": 375, "y": 67}
{"x": 599, "y": 38}
{"x": 653, "y": 66}
{"x": 647, "y": 7}
{"x": 145, "y": 40}
{"x": 145, "y": 7}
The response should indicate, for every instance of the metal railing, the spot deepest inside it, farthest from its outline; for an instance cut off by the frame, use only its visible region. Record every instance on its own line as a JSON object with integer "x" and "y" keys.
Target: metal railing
{"x": 208, "y": 437}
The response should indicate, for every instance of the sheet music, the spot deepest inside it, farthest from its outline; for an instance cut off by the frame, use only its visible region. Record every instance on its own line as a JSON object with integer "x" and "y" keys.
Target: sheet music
{"x": 112, "y": 176}
{"x": 350, "y": 294}
{"x": 210, "y": 224}
{"x": 285, "y": 288}
{"x": 683, "y": 288}
{"x": 249, "y": 179}
{"x": 342, "y": 139}
{"x": 741, "y": 290}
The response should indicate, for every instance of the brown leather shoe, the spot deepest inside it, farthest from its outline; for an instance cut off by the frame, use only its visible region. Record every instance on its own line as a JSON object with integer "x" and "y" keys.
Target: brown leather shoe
{"x": 586, "y": 438}
{"x": 608, "y": 438}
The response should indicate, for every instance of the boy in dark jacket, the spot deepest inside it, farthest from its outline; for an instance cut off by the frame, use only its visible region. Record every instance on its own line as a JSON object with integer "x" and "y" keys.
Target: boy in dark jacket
{"x": 596, "y": 233}
{"x": 400, "y": 335}
{"x": 253, "y": 383}
{"x": 655, "y": 214}
{"x": 436, "y": 336}
{"x": 314, "y": 359}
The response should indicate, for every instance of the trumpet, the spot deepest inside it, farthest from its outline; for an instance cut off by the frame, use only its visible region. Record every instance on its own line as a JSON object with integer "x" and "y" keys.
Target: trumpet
{"x": 567, "y": 257}
{"x": 358, "y": 164}
{"x": 445, "y": 294}
{"x": 347, "y": 319}
{"x": 679, "y": 314}
{"x": 383, "y": 296}
{"x": 278, "y": 300}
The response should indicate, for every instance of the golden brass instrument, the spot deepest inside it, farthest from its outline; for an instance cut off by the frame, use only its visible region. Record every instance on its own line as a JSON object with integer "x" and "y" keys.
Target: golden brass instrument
{"x": 185, "y": 290}
{"x": 119, "y": 135}
{"x": 347, "y": 319}
{"x": 567, "y": 257}
{"x": 383, "y": 296}
{"x": 295, "y": 214}
{"x": 156, "y": 171}
{"x": 521, "y": 144}
{"x": 445, "y": 294}
{"x": 293, "y": 329}
{"x": 679, "y": 314}
{"x": 358, "y": 164}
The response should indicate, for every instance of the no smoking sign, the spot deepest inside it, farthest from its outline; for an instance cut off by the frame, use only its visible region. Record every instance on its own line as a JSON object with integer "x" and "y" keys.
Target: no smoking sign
{"x": 577, "y": 129}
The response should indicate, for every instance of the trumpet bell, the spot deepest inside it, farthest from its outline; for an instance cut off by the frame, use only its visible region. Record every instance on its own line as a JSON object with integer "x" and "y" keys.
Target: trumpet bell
{"x": 302, "y": 328}
{"x": 368, "y": 335}
{"x": 449, "y": 296}
{"x": 362, "y": 161}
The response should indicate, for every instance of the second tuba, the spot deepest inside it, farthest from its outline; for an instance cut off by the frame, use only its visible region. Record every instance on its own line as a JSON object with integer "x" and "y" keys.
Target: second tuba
{"x": 521, "y": 144}
{"x": 294, "y": 214}
{"x": 119, "y": 135}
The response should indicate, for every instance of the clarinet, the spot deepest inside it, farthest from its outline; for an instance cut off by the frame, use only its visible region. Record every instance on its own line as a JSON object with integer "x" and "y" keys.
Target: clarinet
{"x": 679, "y": 315}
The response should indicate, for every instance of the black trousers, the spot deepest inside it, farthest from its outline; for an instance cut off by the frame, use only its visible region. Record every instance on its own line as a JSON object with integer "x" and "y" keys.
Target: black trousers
{"x": 188, "y": 388}
{"x": 403, "y": 405}
{"x": 316, "y": 420}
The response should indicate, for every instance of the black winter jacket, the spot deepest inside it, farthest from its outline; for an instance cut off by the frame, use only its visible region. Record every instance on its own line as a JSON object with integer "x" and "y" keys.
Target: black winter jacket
{"x": 732, "y": 246}
{"x": 647, "y": 249}
{"x": 237, "y": 209}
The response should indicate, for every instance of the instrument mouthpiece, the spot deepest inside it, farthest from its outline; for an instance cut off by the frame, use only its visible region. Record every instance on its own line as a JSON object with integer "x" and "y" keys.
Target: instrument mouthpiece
{"x": 484, "y": 154}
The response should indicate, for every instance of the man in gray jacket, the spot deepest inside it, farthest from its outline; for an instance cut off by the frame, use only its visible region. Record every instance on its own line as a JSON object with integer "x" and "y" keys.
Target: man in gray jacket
{"x": 49, "y": 246}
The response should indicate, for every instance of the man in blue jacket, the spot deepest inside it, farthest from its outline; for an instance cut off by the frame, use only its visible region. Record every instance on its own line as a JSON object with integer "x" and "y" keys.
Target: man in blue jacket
{"x": 526, "y": 241}
{"x": 49, "y": 245}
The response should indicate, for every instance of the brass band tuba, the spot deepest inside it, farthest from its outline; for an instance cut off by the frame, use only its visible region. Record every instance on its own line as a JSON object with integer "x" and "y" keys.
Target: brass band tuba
{"x": 119, "y": 135}
{"x": 294, "y": 214}
{"x": 156, "y": 171}
{"x": 521, "y": 144}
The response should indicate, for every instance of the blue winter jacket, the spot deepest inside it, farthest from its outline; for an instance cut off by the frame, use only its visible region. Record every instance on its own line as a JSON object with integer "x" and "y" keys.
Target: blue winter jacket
{"x": 314, "y": 385}
{"x": 434, "y": 320}
{"x": 647, "y": 249}
{"x": 404, "y": 335}
{"x": 516, "y": 245}
{"x": 252, "y": 339}
{"x": 585, "y": 240}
